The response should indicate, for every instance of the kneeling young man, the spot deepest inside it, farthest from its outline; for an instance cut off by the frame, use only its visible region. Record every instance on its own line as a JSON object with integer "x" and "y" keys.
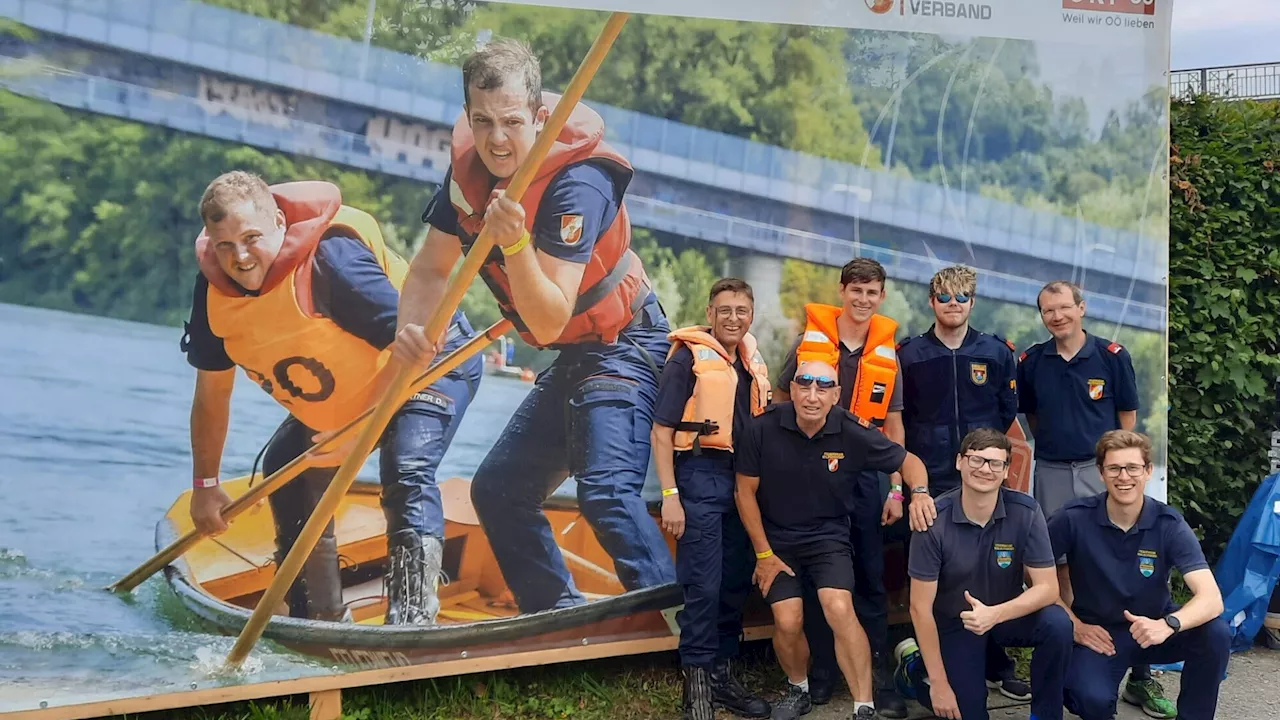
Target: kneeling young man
{"x": 967, "y": 584}
{"x": 797, "y": 470}
{"x": 1118, "y": 548}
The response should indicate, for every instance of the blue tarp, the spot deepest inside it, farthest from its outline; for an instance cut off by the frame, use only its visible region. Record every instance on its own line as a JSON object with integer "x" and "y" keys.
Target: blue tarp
{"x": 1249, "y": 567}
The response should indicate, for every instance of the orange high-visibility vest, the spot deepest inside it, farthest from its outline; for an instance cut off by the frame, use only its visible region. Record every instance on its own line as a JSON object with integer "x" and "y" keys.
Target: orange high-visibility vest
{"x": 708, "y": 414}
{"x": 877, "y": 369}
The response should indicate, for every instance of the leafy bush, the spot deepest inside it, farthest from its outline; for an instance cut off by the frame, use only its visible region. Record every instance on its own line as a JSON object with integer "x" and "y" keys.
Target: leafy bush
{"x": 1224, "y": 337}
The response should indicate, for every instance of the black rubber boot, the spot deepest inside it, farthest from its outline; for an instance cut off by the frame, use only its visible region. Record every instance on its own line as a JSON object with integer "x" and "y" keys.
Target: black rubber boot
{"x": 696, "y": 703}
{"x": 888, "y": 702}
{"x": 413, "y": 575}
{"x": 727, "y": 692}
{"x": 316, "y": 594}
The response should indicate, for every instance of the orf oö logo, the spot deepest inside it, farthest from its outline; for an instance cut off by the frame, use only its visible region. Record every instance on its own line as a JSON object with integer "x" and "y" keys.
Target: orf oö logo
{"x": 879, "y": 7}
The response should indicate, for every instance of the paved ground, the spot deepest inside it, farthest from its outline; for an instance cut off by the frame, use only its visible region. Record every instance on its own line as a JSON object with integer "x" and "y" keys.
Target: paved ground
{"x": 1250, "y": 692}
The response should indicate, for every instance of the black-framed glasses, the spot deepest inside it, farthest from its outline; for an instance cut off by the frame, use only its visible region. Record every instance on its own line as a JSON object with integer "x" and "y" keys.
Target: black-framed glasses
{"x": 945, "y": 298}
{"x": 1133, "y": 470}
{"x": 977, "y": 461}
{"x": 823, "y": 382}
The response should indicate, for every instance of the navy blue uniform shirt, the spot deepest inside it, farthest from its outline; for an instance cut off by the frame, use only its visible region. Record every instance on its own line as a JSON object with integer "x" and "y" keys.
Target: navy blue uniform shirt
{"x": 946, "y": 393}
{"x": 986, "y": 561}
{"x": 348, "y": 286}
{"x": 1075, "y": 402}
{"x": 1113, "y": 570}
{"x": 806, "y": 484}
{"x": 676, "y": 387}
{"x": 848, "y": 371}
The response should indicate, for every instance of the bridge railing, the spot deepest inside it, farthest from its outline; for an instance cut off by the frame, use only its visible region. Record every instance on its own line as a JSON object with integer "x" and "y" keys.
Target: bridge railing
{"x": 242, "y": 45}
{"x": 181, "y": 112}
{"x": 1259, "y": 81}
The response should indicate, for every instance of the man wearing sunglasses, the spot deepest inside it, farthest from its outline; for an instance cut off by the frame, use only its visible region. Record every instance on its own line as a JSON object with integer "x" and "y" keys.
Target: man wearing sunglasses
{"x": 859, "y": 342}
{"x": 956, "y": 379}
{"x": 1118, "y": 549}
{"x": 713, "y": 382}
{"x": 797, "y": 472}
{"x": 967, "y": 574}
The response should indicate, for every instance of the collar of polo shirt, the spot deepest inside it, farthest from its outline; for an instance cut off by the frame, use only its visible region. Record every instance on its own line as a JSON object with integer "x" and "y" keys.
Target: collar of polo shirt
{"x": 1146, "y": 519}
{"x": 1086, "y": 350}
{"x": 833, "y": 426}
{"x": 957, "y": 509}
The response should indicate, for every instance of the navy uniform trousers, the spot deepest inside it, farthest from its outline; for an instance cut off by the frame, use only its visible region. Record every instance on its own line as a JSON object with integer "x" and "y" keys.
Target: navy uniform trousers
{"x": 714, "y": 560}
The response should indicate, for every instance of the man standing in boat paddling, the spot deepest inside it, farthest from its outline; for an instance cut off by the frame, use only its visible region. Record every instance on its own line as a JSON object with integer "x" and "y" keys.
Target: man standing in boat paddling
{"x": 563, "y": 272}
{"x": 300, "y": 291}
{"x": 713, "y": 383}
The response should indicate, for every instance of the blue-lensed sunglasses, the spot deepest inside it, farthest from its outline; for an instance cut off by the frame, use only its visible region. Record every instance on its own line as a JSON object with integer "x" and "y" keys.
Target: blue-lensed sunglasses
{"x": 824, "y": 382}
{"x": 945, "y": 298}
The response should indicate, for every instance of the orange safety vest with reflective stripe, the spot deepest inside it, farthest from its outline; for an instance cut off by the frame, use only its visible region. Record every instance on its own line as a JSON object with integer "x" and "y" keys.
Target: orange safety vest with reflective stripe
{"x": 708, "y": 413}
{"x": 877, "y": 369}
{"x": 323, "y": 375}
{"x": 614, "y": 284}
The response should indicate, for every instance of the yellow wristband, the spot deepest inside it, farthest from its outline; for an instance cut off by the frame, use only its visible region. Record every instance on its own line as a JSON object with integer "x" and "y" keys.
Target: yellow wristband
{"x": 518, "y": 245}
{"x": 765, "y": 554}
{"x": 670, "y": 491}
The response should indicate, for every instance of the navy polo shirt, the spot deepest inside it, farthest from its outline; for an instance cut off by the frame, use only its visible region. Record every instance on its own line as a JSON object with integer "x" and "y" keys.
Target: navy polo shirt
{"x": 850, "y": 361}
{"x": 676, "y": 387}
{"x": 806, "y": 483}
{"x": 946, "y": 393}
{"x": 1113, "y": 570}
{"x": 1075, "y": 402}
{"x": 986, "y": 561}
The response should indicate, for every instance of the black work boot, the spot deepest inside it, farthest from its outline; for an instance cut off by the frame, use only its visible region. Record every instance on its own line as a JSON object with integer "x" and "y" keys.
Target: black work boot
{"x": 888, "y": 702}
{"x": 822, "y": 684}
{"x": 413, "y": 574}
{"x": 727, "y": 692}
{"x": 696, "y": 703}
{"x": 316, "y": 593}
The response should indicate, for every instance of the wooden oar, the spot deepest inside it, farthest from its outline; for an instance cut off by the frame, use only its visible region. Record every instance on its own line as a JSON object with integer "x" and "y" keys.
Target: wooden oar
{"x": 279, "y": 478}
{"x": 395, "y": 394}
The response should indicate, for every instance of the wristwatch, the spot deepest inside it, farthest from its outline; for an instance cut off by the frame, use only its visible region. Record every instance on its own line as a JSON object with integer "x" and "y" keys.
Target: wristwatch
{"x": 919, "y": 491}
{"x": 1173, "y": 622}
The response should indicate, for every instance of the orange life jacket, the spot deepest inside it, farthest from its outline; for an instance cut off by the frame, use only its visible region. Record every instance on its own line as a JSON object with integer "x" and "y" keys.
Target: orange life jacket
{"x": 708, "y": 414}
{"x": 320, "y": 373}
{"x": 614, "y": 284}
{"x": 877, "y": 370}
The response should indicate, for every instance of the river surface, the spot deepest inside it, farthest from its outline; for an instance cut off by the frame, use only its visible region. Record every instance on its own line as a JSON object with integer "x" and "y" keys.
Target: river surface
{"x": 94, "y": 447}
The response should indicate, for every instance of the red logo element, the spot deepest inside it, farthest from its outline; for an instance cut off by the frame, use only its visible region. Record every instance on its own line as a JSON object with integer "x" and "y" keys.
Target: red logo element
{"x": 1129, "y": 7}
{"x": 881, "y": 7}
{"x": 833, "y": 464}
{"x": 570, "y": 229}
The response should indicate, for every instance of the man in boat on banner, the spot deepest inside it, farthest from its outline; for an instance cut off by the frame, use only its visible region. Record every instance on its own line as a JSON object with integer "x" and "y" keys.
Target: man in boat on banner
{"x": 860, "y": 342}
{"x": 956, "y": 379}
{"x": 300, "y": 291}
{"x": 967, "y": 572}
{"x": 798, "y": 468}
{"x": 563, "y": 272}
{"x": 713, "y": 383}
{"x": 1073, "y": 388}
{"x": 1117, "y": 549}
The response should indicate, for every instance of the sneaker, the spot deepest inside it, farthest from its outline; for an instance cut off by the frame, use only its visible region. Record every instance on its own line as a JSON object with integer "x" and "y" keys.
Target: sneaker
{"x": 866, "y": 712}
{"x": 1012, "y": 688}
{"x": 792, "y": 705}
{"x": 1149, "y": 695}
{"x": 909, "y": 665}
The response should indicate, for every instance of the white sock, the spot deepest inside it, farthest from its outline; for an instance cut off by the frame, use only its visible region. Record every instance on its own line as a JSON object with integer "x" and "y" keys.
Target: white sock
{"x": 803, "y": 684}
{"x": 859, "y": 705}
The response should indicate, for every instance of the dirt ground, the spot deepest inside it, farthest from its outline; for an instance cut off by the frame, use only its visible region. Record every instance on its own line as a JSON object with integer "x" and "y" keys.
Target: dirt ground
{"x": 1250, "y": 692}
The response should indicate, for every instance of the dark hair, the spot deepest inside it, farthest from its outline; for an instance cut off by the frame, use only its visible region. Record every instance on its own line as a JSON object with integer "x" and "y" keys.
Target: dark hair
{"x": 1059, "y": 285}
{"x": 232, "y": 188}
{"x": 499, "y": 62}
{"x": 731, "y": 284}
{"x": 861, "y": 270}
{"x": 984, "y": 438}
{"x": 1122, "y": 440}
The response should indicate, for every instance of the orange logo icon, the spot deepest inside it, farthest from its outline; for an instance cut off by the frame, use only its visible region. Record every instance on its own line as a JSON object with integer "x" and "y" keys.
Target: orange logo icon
{"x": 879, "y": 7}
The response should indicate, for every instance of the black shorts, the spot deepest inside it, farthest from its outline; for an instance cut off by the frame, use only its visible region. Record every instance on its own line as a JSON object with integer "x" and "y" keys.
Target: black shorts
{"x": 827, "y": 563}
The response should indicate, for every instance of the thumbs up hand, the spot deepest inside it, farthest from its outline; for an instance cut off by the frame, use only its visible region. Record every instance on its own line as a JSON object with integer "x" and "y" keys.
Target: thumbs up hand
{"x": 980, "y": 618}
{"x": 1148, "y": 632}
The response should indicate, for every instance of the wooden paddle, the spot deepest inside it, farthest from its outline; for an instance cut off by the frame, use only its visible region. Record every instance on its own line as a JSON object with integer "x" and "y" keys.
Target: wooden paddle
{"x": 395, "y": 394}
{"x": 279, "y": 478}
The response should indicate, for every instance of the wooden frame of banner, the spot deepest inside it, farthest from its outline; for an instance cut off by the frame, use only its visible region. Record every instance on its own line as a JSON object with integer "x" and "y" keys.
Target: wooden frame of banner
{"x": 326, "y": 691}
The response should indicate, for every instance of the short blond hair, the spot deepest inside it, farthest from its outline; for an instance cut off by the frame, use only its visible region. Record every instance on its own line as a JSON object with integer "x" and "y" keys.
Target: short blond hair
{"x": 1123, "y": 440}
{"x": 955, "y": 280}
{"x": 233, "y": 188}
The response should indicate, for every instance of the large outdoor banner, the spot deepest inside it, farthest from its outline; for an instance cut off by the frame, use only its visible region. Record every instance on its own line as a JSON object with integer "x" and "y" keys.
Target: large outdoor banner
{"x": 157, "y": 333}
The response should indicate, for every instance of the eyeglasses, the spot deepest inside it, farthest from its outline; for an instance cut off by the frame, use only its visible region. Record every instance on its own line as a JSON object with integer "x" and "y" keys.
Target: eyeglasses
{"x": 824, "y": 382}
{"x": 1133, "y": 470}
{"x": 977, "y": 461}
{"x": 944, "y": 298}
{"x": 724, "y": 313}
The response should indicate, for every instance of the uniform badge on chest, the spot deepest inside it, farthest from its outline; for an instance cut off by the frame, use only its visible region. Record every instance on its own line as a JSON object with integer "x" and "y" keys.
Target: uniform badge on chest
{"x": 1004, "y": 555}
{"x": 833, "y": 460}
{"x": 1096, "y": 386}
{"x": 978, "y": 373}
{"x": 1147, "y": 562}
